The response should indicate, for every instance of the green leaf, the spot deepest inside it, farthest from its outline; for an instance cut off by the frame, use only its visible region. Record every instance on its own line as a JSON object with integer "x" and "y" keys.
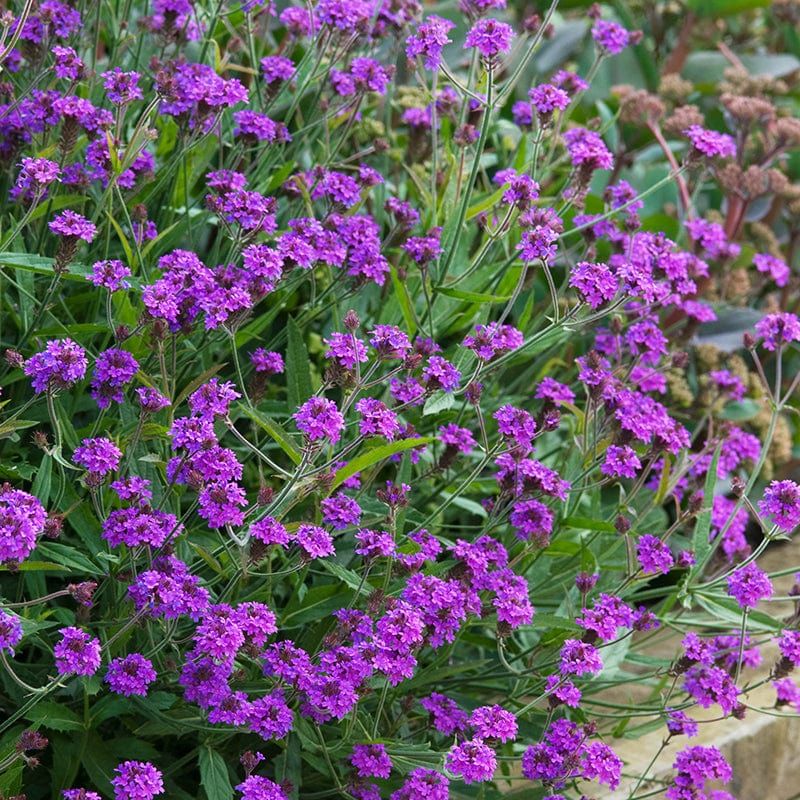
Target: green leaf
{"x": 586, "y": 524}
{"x": 741, "y": 411}
{"x": 214, "y": 774}
{"x": 724, "y": 8}
{"x": 375, "y": 455}
{"x": 485, "y": 204}
{"x": 472, "y": 297}
{"x": 280, "y": 436}
{"x": 701, "y": 543}
{"x": 12, "y": 425}
{"x": 123, "y": 239}
{"x": 348, "y": 576}
{"x": 55, "y": 716}
{"x": 318, "y": 602}
{"x": 438, "y": 402}
{"x": 298, "y": 366}
{"x": 404, "y": 301}
{"x": 42, "y": 265}
{"x": 43, "y": 480}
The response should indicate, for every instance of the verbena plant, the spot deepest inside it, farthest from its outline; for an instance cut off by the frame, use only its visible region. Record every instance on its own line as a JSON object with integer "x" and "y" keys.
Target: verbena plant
{"x": 384, "y": 385}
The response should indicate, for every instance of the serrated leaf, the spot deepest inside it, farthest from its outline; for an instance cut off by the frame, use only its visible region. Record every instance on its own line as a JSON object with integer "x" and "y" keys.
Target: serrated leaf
{"x": 438, "y": 402}
{"x": 55, "y": 716}
{"x": 214, "y": 774}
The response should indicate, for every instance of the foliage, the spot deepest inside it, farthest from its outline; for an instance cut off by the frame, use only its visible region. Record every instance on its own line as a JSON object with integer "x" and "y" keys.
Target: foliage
{"x": 384, "y": 386}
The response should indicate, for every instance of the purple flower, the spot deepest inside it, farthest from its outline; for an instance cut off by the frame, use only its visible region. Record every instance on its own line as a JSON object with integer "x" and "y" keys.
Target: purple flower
{"x": 696, "y": 765}
{"x": 61, "y": 364}
{"x": 727, "y": 383}
{"x": 493, "y": 722}
{"x": 602, "y": 764}
{"x": 269, "y": 531}
{"x": 538, "y": 243}
{"x": 276, "y": 69}
{"x": 121, "y": 87}
{"x": 151, "y": 400}
{"x": 424, "y": 249}
{"x": 267, "y": 361}
{"x": 473, "y": 760}
{"x": 22, "y": 521}
{"x": 710, "y": 144}
{"x": 68, "y": 65}
{"x": 429, "y": 41}
{"x": 256, "y": 127}
{"x": 220, "y": 504}
{"x": 339, "y": 188}
{"x": 371, "y": 761}
{"x": 778, "y": 330}
{"x": 130, "y": 675}
{"x": 375, "y": 544}
{"x": 460, "y": 439}
{"x": 491, "y": 37}
{"x": 621, "y": 462}
{"x": 77, "y": 653}
{"x": 270, "y": 717}
{"x": 110, "y": 275}
{"x": 346, "y": 349}
{"x": 447, "y": 717}
{"x": 73, "y": 226}
{"x": 213, "y": 399}
{"x": 654, "y": 555}
{"x": 777, "y": 269}
{"x": 787, "y": 692}
{"x": 578, "y": 658}
{"x": 748, "y": 585}
{"x": 679, "y": 724}
{"x": 136, "y": 526}
{"x": 610, "y": 37}
{"x": 315, "y": 542}
{"x": 389, "y": 341}
{"x": 10, "y": 631}
{"x": 34, "y": 178}
{"x": 319, "y": 418}
{"x": 423, "y": 784}
{"x": 596, "y": 283}
{"x": 781, "y": 503}
{"x": 547, "y": 98}
{"x": 99, "y": 456}
{"x": 533, "y": 521}
{"x": 113, "y": 369}
{"x": 377, "y": 419}
{"x": 340, "y": 511}
{"x": 345, "y": 15}
{"x": 709, "y": 685}
{"x": 522, "y": 114}
{"x": 134, "y": 489}
{"x": 517, "y": 426}
{"x": 441, "y": 374}
{"x": 587, "y": 150}
{"x": 137, "y": 780}
{"x": 492, "y": 340}
{"x": 369, "y": 75}
{"x": 256, "y": 787}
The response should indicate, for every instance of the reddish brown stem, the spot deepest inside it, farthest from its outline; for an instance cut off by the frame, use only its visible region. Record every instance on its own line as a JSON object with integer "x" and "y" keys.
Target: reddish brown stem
{"x": 683, "y": 189}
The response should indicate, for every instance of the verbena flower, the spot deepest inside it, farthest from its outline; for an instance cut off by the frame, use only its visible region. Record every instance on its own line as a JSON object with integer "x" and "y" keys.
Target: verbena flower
{"x": 137, "y": 780}
{"x": 77, "y": 652}
{"x": 130, "y": 675}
